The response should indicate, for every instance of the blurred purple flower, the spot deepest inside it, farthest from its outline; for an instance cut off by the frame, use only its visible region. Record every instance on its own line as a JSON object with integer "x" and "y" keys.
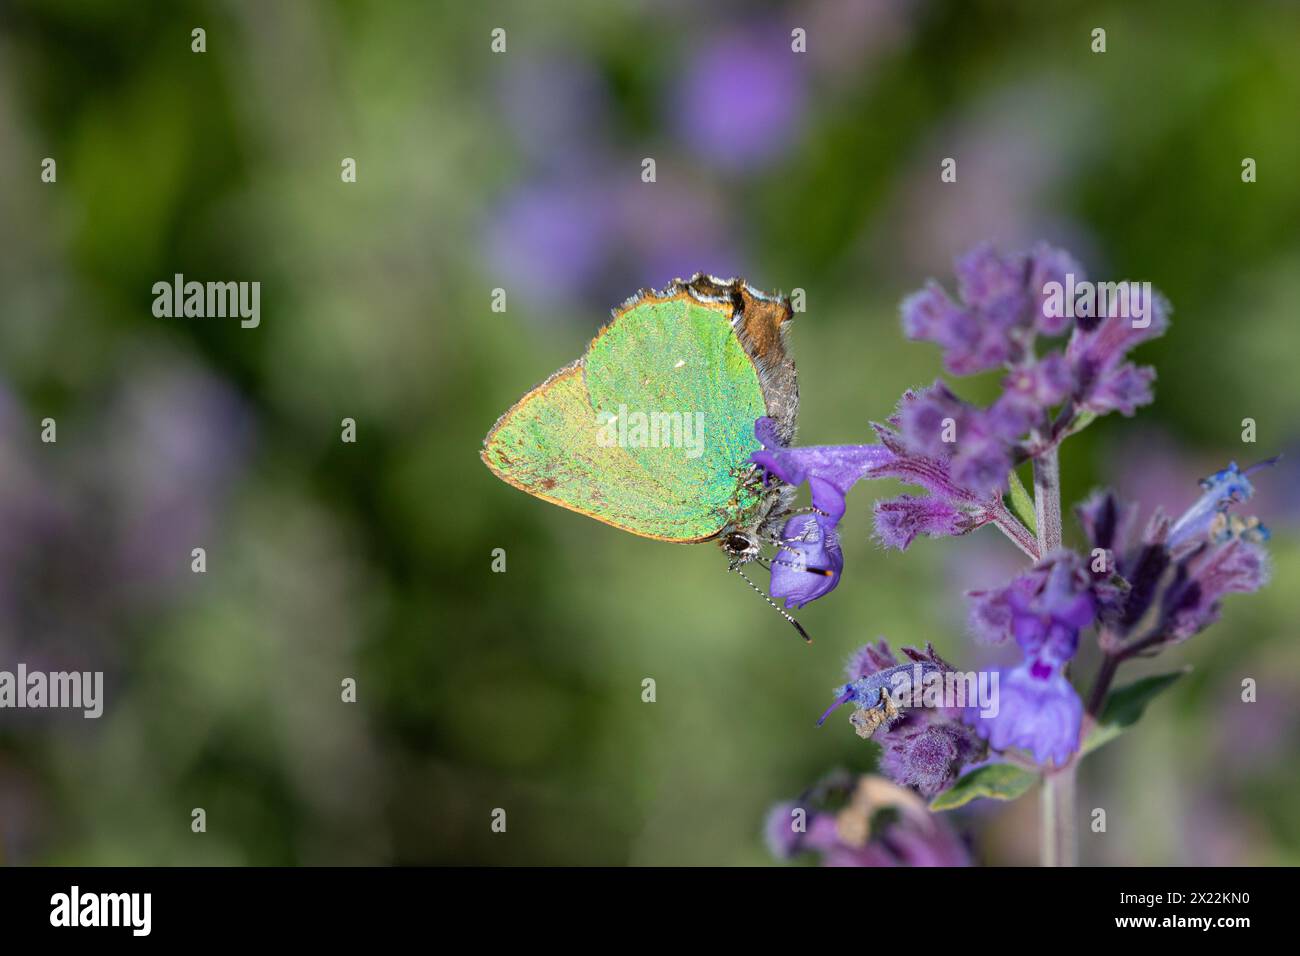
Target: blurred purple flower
{"x": 844, "y": 821}
{"x": 107, "y": 528}
{"x": 194, "y": 432}
{"x": 552, "y": 239}
{"x": 741, "y": 97}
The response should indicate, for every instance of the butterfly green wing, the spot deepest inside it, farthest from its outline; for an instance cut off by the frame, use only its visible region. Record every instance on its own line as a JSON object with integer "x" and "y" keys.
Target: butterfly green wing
{"x": 650, "y": 431}
{"x": 677, "y": 369}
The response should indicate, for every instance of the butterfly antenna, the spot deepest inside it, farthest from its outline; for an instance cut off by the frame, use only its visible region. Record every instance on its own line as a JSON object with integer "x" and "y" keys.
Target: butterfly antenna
{"x": 776, "y": 607}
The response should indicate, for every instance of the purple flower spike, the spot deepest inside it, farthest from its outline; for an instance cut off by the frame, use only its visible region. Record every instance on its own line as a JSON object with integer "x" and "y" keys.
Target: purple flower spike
{"x": 830, "y": 470}
{"x": 810, "y": 561}
{"x": 1038, "y": 710}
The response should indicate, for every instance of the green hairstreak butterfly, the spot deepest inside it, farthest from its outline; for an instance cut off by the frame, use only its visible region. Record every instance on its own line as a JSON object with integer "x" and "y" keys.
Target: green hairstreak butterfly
{"x": 651, "y": 430}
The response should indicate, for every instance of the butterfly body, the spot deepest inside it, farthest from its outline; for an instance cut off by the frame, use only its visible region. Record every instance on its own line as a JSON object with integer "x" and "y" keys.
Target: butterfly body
{"x": 652, "y": 428}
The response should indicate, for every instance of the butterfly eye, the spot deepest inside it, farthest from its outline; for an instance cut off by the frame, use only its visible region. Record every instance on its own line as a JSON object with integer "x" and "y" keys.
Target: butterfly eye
{"x": 737, "y": 543}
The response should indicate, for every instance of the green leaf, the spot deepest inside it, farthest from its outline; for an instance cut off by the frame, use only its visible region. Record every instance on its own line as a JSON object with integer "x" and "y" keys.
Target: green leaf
{"x": 1081, "y": 421}
{"x": 1021, "y": 505}
{"x": 1125, "y": 705}
{"x": 998, "y": 781}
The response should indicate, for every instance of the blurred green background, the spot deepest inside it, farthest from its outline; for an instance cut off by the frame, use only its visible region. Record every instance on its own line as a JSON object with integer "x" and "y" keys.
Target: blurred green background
{"x": 521, "y": 171}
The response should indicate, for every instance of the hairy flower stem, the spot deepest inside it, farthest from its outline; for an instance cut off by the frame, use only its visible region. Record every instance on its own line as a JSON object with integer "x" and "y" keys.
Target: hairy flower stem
{"x": 1047, "y": 500}
{"x": 1019, "y": 535}
{"x": 1058, "y": 844}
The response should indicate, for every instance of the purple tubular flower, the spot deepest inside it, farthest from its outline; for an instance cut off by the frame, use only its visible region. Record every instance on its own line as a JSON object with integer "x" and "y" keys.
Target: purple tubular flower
{"x": 1192, "y": 602}
{"x": 929, "y": 420}
{"x": 1037, "y": 710}
{"x": 810, "y": 562}
{"x": 830, "y": 470}
{"x": 950, "y": 508}
{"x": 969, "y": 347}
{"x": 899, "y": 521}
{"x": 983, "y": 459}
{"x": 1104, "y": 380}
{"x": 1046, "y": 624}
{"x": 1106, "y": 521}
{"x": 1044, "y": 609}
{"x": 1050, "y": 265}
